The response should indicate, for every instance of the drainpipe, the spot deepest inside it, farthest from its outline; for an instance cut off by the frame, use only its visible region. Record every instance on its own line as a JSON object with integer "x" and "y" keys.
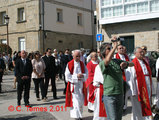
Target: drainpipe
{"x": 92, "y": 23}
{"x": 43, "y": 26}
{"x": 41, "y": 23}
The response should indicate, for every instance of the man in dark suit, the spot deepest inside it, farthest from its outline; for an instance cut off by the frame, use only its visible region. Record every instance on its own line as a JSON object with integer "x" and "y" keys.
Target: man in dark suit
{"x": 2, "y": 67}
{"x": 23, "y": 73}
{"x": 50, "y": 72}
{"x": 65, "y": 59}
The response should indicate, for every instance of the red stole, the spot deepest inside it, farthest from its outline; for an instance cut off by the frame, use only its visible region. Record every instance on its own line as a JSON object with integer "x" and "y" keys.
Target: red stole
{"x": 143, "y": 96}
{"x": 91, "y": 69}
{"x": 102, "y": 111}
{"x": 127, "y": 59}
{"x": 89, "y": 82}
{"x": 68, "y": 102}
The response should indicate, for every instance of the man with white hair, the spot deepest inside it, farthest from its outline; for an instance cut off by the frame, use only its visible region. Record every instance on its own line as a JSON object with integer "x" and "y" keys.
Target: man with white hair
{"x": 76, "y": 93}
{"x": 141, "y": 87}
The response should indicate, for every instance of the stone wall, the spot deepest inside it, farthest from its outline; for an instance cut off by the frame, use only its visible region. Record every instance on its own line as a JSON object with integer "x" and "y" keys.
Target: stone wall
{"x": 27, "y": 29}
{"x": 61, "y": 41}
{"x": 145, "y": 32}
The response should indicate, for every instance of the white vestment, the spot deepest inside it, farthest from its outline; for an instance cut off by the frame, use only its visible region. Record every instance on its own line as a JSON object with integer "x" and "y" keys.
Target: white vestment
{"x": 77, "y": 85}
{"x": 98, "y": 79}
{"x": 136, "y": 105}
{"x": 156, "y": 101}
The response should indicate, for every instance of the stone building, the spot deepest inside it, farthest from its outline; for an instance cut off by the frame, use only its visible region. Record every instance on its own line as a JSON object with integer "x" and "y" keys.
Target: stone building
{"x": 39, "y": 24}
{"x": 137, "y": 21}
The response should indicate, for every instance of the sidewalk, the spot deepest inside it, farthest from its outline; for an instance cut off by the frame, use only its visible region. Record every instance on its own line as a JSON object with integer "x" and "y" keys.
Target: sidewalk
{"x": 51, "y": 110}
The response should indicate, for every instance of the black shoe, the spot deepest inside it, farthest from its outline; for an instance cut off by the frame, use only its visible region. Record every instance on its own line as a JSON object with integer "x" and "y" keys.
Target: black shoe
{"x": 28, "y": 105}
{"x": 90, "y": 111}
{"x": 56, "y": 98}
{"x": 19, "y": 104}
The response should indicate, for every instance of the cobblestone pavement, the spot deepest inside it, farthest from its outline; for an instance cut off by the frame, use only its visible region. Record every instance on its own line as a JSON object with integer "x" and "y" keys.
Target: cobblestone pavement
{"x": 9, "y": 95}
{"x": 33, "y": 116}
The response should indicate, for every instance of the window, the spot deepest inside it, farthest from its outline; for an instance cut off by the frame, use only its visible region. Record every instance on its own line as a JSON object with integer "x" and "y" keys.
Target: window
{"x": 2, "y": 19}
{"x": 106, "y": 2}
{"x": 21, "y": 14}
{"x": 21, "y": 43}
{"x": 130, "y": 0}
{"x": 130, "y": 9}
{"x": 117, "y": 1}
{"x": 106, "y": 12}
{"x": 3, "y": 41}
{"x": 79, "y": 18}
{"x": 80, "y": 44}
{"x": 142, "y": 7}
{"x": 154, "y": 5}
{"x": 59, "y": 15}
{"x": 117, "y": 11}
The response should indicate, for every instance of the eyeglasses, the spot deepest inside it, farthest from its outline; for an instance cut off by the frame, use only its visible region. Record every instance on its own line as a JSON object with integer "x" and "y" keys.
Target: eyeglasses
{"x": 108, "y": 48}
{"x": 77, "y": 56}
{"x": 121, "y": 48}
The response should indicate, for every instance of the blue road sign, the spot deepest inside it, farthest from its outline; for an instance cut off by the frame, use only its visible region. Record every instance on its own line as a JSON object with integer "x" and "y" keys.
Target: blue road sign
{"x": 99, "y": 37}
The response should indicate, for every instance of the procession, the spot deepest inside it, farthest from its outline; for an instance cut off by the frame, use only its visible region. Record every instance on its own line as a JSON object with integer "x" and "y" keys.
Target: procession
{"x": 102, "y": 81}
{"x": 79, "y": 60}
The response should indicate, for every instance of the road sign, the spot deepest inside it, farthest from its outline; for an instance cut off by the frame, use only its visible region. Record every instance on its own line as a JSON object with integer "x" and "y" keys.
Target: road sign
{"x": 99, "y": 37}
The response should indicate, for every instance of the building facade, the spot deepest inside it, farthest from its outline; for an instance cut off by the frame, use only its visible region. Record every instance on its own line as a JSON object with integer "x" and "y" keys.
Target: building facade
{"x": 39, "y": 24}
{"x": 137, "y": 21}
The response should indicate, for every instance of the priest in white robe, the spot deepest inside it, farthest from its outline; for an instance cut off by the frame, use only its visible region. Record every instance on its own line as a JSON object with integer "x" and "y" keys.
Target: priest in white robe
{"x": 156, "y": 101}
{"x": 98, "y": 82}
{"x": 142, "y": 87}
{"x": 76, "y": 94}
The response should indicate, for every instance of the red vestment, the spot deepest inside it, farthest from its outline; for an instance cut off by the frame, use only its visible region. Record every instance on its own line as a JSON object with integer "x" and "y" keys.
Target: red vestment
{"x": 68, "y": 102}
{"x": 89, "y": 82}
{"x": 127, "y": 59}
{"x": 143, "y": 96}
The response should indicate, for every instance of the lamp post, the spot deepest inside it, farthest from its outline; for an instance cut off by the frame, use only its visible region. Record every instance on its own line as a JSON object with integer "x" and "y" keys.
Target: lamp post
{"x": 7, "y": 22}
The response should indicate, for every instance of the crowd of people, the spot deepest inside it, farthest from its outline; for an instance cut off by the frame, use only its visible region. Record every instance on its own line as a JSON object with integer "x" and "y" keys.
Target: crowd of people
{"x": 102, "y": 80}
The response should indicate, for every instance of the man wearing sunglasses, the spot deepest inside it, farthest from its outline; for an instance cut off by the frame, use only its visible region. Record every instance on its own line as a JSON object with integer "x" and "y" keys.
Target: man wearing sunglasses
{"x": 109, "y": 73}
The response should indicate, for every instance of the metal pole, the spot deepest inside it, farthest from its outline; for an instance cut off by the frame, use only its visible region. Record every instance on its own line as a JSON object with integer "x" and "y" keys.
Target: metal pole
{"x": 7, "y": 40}
{"x": 43, "y": 26}
{"x": 92, "y": 24}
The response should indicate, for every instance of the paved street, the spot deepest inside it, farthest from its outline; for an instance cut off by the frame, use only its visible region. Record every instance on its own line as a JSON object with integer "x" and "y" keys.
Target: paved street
{"x": 51, "y": 110}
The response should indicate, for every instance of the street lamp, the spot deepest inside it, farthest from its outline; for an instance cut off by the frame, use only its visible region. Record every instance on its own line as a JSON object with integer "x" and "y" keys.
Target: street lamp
{"x": 7, "y": 22}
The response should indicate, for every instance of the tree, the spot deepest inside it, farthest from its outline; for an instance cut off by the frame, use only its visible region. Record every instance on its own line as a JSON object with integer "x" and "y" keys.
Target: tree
{"x": 3, "y": 48}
